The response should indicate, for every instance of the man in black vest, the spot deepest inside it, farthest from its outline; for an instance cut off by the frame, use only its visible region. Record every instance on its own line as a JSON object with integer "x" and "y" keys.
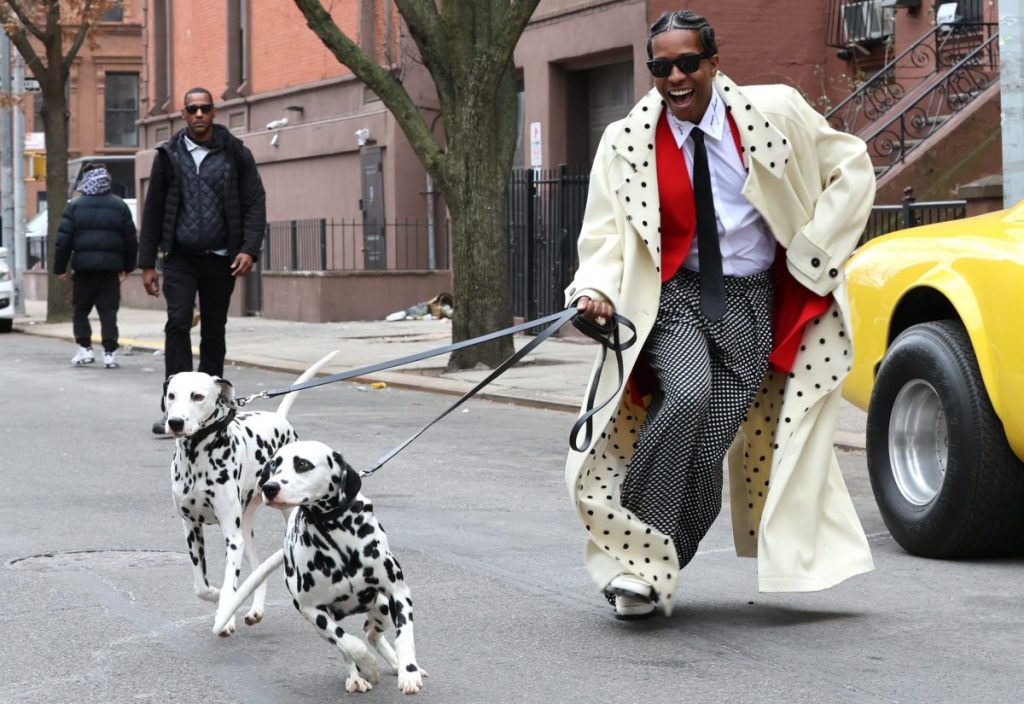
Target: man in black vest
{"x": 205, "y": 215}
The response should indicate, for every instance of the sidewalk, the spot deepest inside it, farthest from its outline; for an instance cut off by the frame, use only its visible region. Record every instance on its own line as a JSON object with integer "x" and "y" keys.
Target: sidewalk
{"x": 553, "y": 376}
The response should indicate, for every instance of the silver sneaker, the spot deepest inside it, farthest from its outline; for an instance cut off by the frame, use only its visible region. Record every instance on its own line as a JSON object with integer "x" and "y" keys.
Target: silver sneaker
{"x": 110, "y": 360}
{"x": 84, "y": 355}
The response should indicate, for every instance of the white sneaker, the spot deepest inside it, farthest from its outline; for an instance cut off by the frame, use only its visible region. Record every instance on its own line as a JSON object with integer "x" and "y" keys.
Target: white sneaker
{"x": 84, "y": 355}
{"x": 628, "y": 585}
{"x": 109, "y": 360}
{"x": 631, "y": 608}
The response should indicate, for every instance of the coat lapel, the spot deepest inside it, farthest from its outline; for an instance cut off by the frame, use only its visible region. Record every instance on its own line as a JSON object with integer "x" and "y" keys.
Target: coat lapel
{"x": 761, "y": 140}
{"x": 633, "y": 148}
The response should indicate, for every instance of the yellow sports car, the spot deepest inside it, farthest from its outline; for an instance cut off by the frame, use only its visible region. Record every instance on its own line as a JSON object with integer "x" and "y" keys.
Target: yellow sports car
{"x": 939, "y": 367}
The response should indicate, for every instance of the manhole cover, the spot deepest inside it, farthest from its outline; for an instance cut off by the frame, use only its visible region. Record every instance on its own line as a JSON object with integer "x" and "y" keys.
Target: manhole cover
{"x": 81, "y": 560}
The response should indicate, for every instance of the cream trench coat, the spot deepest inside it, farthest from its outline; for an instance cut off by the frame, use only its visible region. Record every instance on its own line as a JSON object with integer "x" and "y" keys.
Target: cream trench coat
{"x": 790, "y": 508}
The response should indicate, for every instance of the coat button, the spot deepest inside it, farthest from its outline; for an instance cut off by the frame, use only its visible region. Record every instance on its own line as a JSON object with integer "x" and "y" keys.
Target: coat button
{"x": 572, "y": 290}
{"x": 833, "y": 273}
{"x": 815, "y": 262}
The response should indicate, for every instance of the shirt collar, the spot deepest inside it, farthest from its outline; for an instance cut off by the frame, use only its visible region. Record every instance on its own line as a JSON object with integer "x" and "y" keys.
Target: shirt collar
{"x": 192, "y": 146}
{"x": 712, "y": 124}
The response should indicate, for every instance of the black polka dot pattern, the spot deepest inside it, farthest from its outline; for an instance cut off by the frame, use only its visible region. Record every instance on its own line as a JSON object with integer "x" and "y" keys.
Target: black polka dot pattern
{"x": 707, "y": 374}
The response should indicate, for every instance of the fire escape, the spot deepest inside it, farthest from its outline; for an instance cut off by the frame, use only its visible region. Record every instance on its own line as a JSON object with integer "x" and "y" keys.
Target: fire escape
{"x": 906, "y": 103}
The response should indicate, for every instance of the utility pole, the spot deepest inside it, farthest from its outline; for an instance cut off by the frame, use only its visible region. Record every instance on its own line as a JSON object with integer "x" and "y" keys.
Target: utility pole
{"x": 6, "y": 155}
{"x": 1011, "y": 89}
{"x": 18, "y": 138}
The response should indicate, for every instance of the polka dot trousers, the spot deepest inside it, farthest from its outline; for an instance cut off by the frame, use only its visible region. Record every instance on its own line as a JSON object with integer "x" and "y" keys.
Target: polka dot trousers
{"x": 707, "y": 373}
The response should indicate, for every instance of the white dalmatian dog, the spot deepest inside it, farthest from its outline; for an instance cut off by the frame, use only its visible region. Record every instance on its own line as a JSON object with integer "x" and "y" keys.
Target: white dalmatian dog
{"x": 337, "y": 562}
{"x": 217, "y": 456}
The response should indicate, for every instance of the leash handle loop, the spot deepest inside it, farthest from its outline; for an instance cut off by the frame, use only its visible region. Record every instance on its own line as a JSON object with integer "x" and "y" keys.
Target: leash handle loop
{"x": 585, "y": 422}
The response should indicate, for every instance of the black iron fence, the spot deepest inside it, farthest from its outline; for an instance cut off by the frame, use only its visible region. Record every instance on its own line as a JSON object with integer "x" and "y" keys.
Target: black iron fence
{"x": 545, "y": 212}
{"x": 909, "y": 213}
{"x": 322, "y": 244}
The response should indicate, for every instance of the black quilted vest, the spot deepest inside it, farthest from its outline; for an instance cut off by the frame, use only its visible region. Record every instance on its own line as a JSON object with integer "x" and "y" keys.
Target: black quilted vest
{"x": 202, "y": 222}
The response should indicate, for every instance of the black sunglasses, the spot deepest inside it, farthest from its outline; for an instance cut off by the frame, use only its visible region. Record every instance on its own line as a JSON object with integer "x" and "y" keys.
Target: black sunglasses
{"x": 207, "y": 108}
{"x": 687, "y": 63}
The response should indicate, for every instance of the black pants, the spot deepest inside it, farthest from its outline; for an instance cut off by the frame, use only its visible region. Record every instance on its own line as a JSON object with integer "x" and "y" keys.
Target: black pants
{"x": 103, "y": 290}
{"x": 185, "y": 276}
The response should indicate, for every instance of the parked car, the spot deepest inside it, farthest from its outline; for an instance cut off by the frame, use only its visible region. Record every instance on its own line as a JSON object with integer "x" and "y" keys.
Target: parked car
{"x": 6, "y": 293}
{"x": 939, "y": 368}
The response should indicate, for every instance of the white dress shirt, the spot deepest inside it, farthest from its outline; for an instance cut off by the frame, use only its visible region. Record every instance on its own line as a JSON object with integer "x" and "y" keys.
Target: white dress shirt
{"x": 747, "y": 244}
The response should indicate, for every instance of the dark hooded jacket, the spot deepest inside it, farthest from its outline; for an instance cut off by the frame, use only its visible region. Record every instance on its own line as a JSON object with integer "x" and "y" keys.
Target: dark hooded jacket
{"x": 96, "y": 233}
{"x": 239, "y": 219}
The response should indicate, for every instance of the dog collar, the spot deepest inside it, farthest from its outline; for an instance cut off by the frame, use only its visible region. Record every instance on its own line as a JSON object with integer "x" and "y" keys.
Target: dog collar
{"x": 319, "y": 516}
{"x": 209, "y": 430}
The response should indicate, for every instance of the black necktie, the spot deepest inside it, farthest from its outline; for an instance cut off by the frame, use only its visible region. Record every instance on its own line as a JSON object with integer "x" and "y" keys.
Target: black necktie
{"x": 709, "y": 256}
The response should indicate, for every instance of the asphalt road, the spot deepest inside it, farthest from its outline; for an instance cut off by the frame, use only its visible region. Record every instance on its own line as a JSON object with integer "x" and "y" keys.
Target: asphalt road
{"x": 98, "y": 604}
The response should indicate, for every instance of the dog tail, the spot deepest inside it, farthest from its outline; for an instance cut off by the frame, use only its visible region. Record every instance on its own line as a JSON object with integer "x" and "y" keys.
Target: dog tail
{"x": 257, "y": 576}
{"x": 289, "y": 399}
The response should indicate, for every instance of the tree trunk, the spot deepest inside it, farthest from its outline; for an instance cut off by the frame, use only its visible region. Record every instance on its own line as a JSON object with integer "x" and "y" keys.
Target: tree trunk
{"x": 477, "y": 195}
{"x": 55, "y": 119}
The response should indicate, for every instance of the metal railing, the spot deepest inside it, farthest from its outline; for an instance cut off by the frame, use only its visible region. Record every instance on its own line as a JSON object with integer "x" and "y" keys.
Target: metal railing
{"x": 909, "y": 213}
{"x": 954, "y": 90}
{"x": 935, "y": 51}
{"x": 321, "y": 244}
{"x": 545, "y": 213}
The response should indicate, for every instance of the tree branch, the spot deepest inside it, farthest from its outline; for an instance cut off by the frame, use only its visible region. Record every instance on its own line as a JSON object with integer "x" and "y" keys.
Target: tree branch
{"x": 389, "y": 90}
{"x": 24, "y": 45}
{"x": 83, "y": 29}
{"x": 24, "y": 19}
{"x": 424, "y": 23}
{"x": 519, "y": 14}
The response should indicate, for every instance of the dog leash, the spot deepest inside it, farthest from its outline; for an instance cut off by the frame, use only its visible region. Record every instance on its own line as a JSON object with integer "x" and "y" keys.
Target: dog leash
{"x": 607, "y": 337}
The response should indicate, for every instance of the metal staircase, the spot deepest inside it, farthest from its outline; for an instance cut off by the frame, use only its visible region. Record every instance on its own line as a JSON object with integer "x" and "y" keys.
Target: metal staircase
{"x": 908, "y": 100}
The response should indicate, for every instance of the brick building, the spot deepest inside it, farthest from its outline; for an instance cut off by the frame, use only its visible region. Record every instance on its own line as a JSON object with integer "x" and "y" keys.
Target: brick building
{"x": 341, "y": 178}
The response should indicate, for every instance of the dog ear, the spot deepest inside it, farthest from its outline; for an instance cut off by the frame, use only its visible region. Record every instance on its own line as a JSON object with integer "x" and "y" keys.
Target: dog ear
{"x": 227, "y": 390}
{"x": 351, "y": 482}
{"x": 163, "y": 395}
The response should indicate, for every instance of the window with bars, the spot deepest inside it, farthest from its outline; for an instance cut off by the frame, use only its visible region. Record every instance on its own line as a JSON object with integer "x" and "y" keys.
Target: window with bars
{"x": 121, "y": 110}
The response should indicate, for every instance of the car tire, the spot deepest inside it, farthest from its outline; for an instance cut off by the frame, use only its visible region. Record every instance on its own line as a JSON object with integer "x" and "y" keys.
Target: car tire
{"x": 945, "y": 479}
{"x": 6, "y": 324}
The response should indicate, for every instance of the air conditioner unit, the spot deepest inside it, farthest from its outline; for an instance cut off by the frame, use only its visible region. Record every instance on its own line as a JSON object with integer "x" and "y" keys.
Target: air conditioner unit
{"x": 866, "y": 21}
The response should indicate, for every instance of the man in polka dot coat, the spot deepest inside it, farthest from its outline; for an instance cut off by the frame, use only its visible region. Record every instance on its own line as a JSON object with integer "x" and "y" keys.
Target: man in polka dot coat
{"x": 813, "y": 188}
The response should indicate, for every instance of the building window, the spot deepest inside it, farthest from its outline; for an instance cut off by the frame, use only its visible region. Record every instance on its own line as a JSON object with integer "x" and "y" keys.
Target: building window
{"x": 238, "y": 47}
{"x": 866, "y": 22}
{"x": 114, "y": 14}
{"x": 161, "y": 84}
{"x": 121, "y": 109}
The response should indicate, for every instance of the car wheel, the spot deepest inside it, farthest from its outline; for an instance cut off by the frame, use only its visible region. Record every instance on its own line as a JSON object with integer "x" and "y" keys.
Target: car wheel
{"x": 945, "y": 479}
{"x": 6, "y": 324}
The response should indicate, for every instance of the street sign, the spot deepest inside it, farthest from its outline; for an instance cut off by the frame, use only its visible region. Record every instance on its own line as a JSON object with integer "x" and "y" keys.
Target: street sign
{"x": 32, "y": 85}
{"x": 536, "y": 154}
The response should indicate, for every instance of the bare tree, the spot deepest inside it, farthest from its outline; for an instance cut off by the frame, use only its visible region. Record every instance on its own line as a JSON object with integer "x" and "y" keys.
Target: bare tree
{"x": 467, "y": 48}
{"x": 49, "y": 34}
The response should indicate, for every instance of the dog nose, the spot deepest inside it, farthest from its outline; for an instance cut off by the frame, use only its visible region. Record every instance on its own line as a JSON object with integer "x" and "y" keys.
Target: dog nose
{"x": 270, "y": 490}
{"x": 176, "y": 424}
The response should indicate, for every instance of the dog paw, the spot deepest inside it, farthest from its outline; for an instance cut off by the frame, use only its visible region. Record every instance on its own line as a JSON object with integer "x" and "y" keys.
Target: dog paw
{"x": 369, "y": 669}
{"x": 411, "y": 682}
{"x": 227, "y": 630}
{"x": 357, "y": 684}
{"x": 253, "y": 617}
{"x": 208, "y": 594}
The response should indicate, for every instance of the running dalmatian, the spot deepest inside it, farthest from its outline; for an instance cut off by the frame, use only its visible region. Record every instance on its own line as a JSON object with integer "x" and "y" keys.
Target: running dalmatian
{"x": 337, "y": 562}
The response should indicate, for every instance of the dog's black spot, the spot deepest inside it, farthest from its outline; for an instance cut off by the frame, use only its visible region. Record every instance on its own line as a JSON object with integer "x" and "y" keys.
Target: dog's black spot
{"x": 321, "y": 622}
{"x": 364, "y": 530}
{"x": 411, "y": 668}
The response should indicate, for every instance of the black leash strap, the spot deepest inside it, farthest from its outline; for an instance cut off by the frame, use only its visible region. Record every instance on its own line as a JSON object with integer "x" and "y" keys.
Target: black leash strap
{"x": 613, "y": 345}
{"x": 561, "y": 317}
{"x": 554, "y": 323}
{"x": 550, "y": 330}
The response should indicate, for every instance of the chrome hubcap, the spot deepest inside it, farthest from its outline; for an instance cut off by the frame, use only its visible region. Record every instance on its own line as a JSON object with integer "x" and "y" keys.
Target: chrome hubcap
{"x": 918, "y": 442}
